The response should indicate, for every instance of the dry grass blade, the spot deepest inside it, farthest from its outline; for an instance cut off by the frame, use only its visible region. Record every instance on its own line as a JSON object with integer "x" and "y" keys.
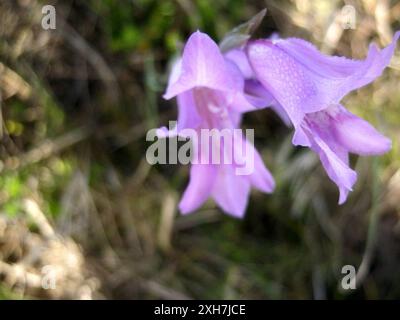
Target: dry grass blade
{"x": 165, "y": 228}
{"x": 47, "y": 148}
{"x": 35, "y": 213}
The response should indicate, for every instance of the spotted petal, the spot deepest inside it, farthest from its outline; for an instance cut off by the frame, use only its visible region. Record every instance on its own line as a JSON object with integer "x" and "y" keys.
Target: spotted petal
{"x": 303, "y": 80}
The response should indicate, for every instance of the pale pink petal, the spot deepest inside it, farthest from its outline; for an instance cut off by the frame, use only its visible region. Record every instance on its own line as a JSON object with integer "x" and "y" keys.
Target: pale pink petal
{"x": 261, "y": 179}
{"x": 238, "y": 56}
{"x": 303, "y": 80}
{"x": 202, "y": 178}
{"x": 336, "y": 167}
{"x": 231, "y": 192}
{"x": 282, "y": 77}
{"x": 188, "y": 116}
{"x": 358, "y": 136}
{"x": 202, "y": 66}
{"x": 300, "y": 138}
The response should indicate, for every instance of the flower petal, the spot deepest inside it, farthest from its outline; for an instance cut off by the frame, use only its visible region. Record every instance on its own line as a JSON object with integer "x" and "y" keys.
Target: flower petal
{"x": 300, "y": 138}
{"x": 336, "y": 166}
{"x": 262, "y": 179}
{"x": 202, "y": 66}
{"x": 317, "y": 62}
{"x": 303, "y": 80}
{"x": 202, "y": 178}
{"x": 257, "y": 94}
{"x": 188, "y": 117}
{"x": 248, "y": 163}
{"x": 239, "y": 103}
{"x": 231, "y": 192}
{"x": 239, "y": 57}
{"x": 282, "y": 76}
{"x": 339, "y": 74}
{"x": 236, "y": 99}
{"x": 358, "y": 136}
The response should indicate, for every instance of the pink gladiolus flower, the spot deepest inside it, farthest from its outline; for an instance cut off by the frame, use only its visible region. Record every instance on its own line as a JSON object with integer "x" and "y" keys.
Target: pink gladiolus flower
{"x": 309, "y": 86}
{"x": 210, "y": 95}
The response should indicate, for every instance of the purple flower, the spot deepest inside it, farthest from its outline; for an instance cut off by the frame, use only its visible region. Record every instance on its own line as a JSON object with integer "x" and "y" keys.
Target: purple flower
{"x": 335, "y": 132}
{"x": 309, "y": 86}
{"x": 254, "y": 91}
{"x": 210, "y": 95}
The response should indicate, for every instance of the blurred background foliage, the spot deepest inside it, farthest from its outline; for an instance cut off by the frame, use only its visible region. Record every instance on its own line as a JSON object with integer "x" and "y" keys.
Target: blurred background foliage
{"x": 79, "y": 203}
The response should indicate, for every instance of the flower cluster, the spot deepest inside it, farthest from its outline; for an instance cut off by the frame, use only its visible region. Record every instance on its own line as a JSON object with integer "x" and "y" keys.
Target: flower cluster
{"x": 302, "y": 85}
